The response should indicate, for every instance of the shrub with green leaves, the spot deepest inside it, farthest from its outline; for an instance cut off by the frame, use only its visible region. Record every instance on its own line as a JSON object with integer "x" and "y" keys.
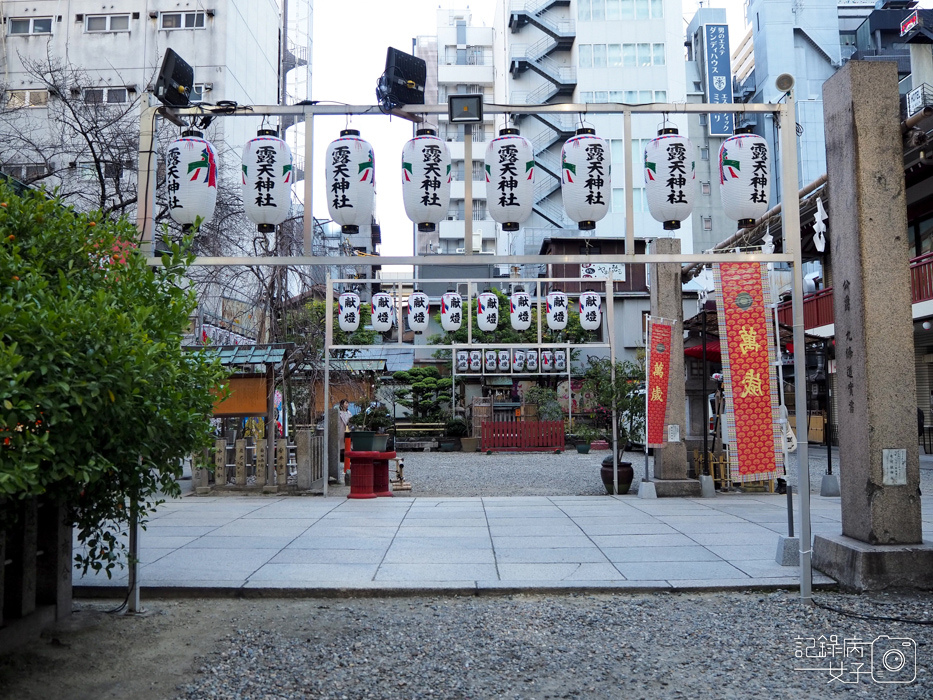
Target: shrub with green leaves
{"x": 98, "y": 401}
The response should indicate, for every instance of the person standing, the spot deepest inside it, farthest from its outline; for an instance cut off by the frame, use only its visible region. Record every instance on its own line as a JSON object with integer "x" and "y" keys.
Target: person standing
{"x": 343, "y": 413}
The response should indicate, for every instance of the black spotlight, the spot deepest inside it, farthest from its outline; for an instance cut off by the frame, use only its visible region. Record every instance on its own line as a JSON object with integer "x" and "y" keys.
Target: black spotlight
{"x": 402, "y": 83}
{"x": 176, "y": 78}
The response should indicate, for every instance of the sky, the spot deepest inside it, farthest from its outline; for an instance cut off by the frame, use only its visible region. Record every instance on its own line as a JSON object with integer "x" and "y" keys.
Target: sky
{"x": 350, "y": 38}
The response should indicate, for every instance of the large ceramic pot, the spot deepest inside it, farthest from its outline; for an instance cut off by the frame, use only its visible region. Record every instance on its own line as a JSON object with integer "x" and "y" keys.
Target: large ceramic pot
{"x": 626, "y": 475}
{"x": 380, "y": 442}
{"x": 469, "y": 444}
{"x": 583, "y": 448}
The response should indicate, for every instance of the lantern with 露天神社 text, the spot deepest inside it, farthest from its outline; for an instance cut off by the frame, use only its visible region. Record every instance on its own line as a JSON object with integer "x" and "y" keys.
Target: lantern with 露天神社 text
{"x": 267, "y": 180}
{"x": 510, "y": 169}
{"x": 426, "y": 179}
{"x": 670, "y": 177}
{"x": 350, "y": 179}
{"x": 744, "y": 177}
{"x": 190, "y": 179}
{"x": 585, "y": 183}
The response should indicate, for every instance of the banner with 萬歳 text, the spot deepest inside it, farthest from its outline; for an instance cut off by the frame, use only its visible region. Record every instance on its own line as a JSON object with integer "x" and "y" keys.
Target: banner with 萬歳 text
{"x": 752, "y": 428}
{"x": 658, "y": 375}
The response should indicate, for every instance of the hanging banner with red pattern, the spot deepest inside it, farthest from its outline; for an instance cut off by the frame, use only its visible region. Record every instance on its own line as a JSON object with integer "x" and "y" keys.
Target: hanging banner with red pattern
{"x": 753, "y": 433}
{"x": 658, "y": 375}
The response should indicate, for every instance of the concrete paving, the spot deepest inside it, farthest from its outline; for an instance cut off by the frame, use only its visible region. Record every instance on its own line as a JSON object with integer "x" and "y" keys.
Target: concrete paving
{"x": 307, "y": 546}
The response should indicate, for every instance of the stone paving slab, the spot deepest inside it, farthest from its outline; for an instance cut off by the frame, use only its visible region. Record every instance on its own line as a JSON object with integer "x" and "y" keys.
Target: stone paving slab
{"x": 233, "y": 545}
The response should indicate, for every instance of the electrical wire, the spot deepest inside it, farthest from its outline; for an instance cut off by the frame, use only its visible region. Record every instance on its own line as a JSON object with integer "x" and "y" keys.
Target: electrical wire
{"x": 865, "y": 616}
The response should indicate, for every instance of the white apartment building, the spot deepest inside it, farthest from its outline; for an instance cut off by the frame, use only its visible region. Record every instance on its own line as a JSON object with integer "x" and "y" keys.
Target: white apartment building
{"x": 117, "y": 50}
{"x": 586, "y": 52}
{"x": 460, "y": 60}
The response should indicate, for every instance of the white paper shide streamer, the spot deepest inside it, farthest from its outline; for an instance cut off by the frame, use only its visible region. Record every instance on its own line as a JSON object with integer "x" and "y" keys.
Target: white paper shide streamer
{"x": 350, "y": 178}
{"x": 191, "y": 178}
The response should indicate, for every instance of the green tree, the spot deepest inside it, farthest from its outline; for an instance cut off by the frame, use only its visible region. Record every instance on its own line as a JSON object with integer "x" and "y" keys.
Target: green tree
{"x": 99, "y": 403}
{"x": 627, "y": 396}
{"x": 424, "y": 392}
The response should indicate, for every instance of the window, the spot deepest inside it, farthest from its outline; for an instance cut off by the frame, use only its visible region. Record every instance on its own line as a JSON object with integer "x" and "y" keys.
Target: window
{"x": 112, "y": 170}
{"x": 615, "y": 54}
{"x": 631, "y": 96}
{"x": 657, "y": 54}
{"x": 25, "y": 172}
{"x": 703, "y": 119}
{"x": 600, "y": 97}
{"x": 27, "y": 98}
{"x": 643, "y": 54}
{"x": 182, "y": 20}
{"x": 627, "y": 9}
{"x": 586, "y": 56}
{"x": 598, "y": 9}
{"x": 197, "y": 92}
{"x": 110, "y": 95}
{"x": 644, "y": 96}
{"x": 705, "y": 188}
{"x": 586, "y": 97}
{"x": 583, "y": 10}
{"x": 660, "y": 95}
{"x": 31, "y": 25}
{"x": 599, "y": 55}
{"x": 613, "y": 9}
{"x": 628, "y": 55}
{"x": 616, "y": 96}
{"x": 704, "y": 153}
{"x": 707, "y": 223}
{"x": 107, "y": 23}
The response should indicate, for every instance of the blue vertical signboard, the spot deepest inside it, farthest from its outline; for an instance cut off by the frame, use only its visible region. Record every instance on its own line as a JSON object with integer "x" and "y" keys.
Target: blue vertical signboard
{"x": 718, "y": 77}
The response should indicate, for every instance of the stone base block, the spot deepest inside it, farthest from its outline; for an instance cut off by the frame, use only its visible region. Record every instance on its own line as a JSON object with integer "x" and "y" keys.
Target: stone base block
{"x": 646, "y": 489}
{"x": 203, "y": 490}
{"x": 270, "y": 488}
{"x": 677, "y": 488}
{"x": 859, "y": 566}
{"x": 707, "y": 487}
{"x": 829, "y": 486}
{"x": 788, "y": 551}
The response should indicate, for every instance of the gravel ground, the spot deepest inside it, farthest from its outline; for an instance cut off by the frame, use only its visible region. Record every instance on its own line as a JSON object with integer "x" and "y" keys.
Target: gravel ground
{"x": 735, "y": 646}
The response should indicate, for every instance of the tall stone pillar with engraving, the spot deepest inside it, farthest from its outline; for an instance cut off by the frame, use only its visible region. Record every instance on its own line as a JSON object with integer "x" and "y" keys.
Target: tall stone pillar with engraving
{"x": 881, "y": 541}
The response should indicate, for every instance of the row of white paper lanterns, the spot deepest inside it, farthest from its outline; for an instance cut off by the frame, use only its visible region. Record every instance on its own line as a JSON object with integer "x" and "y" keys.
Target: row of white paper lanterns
{"x": 382, "y": 311}
{"x": 586, "y": 187}
{"x": 517, "y": 360}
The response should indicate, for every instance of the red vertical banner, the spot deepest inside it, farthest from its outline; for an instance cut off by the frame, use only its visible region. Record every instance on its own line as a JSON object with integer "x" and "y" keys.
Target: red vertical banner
{"x": 753, "y": 432}
{"x": 658, "y": 375}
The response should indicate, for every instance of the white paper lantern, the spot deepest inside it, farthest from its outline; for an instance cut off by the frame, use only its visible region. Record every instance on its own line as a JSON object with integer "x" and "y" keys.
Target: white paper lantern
{"x": 451, "y": 311}
{"x": 547, "y": 360}
{"x": 267, "y": 180}
{"x": 348, "y": 306}
{"x": 383, "y": 312}
{"x": 510, "y": 174}
{"x": 531, "y": 360}
{"x": 350, "y": 179}
{"x": 487, "y": 311}
{"x": 556, "y": 311}
{"x": 560, "y": 361}
{"x": 744, "y": 177}
{"x": 191, "y": 178}
{"x": 490, "y": 360}
{"x": 504, "y": 361}
{"x": 591, "y": 310}
{"x": 520, "y": 310}
{"x": 476, "y": 360}
{"x": 463, "y": 360}
{"x": 585, "y": 184}
{"x": 518, "y": 360}
{"x": 670, "y": 177}
{"x": 419, "y": 312}
{"x": 426, "y": 179}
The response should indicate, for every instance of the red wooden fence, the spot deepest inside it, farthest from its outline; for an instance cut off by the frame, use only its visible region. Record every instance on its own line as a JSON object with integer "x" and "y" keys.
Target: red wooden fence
{"x": 523, "y": 435}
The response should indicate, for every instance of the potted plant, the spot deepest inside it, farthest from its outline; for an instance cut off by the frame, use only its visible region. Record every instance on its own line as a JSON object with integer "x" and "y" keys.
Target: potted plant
{"x": 626, "y": 474}
{"x": 585, "y": 434}
{"x": 368, "y": 429}
{"x": 454, "y": 429}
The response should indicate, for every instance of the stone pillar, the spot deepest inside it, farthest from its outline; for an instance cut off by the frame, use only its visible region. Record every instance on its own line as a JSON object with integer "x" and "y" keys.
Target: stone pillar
{"x": 53, "y": 574}
{"x": 879, "y": 460}
{"x": 220, "y": 462}
{"x": 262, "y": 469}
{"x": 670, "y": 461}
{"x": 239, "y": 477}
{"x": 303, "y": 459}
{"x": 335, "y": 440}
{"x": 281, "y": 463}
